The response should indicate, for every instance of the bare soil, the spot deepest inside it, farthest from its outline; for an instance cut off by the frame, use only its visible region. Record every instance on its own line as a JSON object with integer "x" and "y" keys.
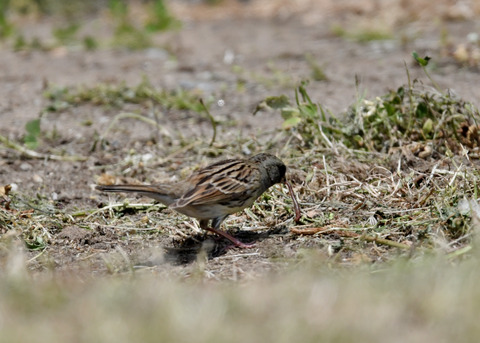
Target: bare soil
{"x": 270, "y": 48}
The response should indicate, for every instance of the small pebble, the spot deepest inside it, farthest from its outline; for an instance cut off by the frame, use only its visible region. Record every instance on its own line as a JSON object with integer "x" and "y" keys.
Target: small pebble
{"x": 25, "y": 166}
{"x": 37, "y": 178}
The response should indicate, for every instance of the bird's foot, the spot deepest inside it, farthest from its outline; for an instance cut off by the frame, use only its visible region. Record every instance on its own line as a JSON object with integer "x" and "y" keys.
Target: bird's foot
{"x": 236, "y": 242}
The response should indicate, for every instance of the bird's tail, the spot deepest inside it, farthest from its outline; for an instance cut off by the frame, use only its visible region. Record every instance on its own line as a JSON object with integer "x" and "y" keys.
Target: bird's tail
{"x": 162, "y": 194}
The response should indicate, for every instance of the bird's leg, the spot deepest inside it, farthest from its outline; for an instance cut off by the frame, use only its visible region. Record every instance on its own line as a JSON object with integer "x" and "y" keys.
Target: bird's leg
{"x": 204, "y": 225}
{"x": 232, "y": 239}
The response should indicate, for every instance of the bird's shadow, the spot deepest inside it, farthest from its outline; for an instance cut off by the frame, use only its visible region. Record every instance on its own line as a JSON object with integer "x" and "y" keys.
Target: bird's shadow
{"x": 188, "y": 250}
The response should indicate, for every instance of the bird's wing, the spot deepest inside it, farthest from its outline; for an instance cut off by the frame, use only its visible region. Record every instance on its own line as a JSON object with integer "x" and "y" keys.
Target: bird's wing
{"x": 223, "y": 181}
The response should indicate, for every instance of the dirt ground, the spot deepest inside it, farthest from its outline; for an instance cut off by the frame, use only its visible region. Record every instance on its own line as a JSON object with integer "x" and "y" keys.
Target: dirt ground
{"x": 267, "y": 46}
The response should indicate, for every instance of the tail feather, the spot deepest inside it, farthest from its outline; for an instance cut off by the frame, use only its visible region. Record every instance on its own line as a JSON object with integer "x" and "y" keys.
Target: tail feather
{"x": 154, "y": 192}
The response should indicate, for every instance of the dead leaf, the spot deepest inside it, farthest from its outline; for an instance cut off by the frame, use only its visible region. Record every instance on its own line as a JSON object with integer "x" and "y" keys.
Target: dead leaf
{"x": 106, "y": 180}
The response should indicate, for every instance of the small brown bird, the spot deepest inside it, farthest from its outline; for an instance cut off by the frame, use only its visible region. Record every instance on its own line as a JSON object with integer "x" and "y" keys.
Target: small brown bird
{"x": 218, "y": 190}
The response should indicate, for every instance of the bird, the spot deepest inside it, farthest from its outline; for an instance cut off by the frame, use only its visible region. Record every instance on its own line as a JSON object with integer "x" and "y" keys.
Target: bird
{"x": 214, "y": 192}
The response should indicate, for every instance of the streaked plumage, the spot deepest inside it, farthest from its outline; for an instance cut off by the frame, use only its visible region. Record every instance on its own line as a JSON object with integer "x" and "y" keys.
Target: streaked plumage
{"x": 215, "y": 191}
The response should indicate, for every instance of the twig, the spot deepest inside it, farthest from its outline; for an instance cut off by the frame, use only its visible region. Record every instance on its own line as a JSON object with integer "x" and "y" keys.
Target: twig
{"x": 238, "y": 255}
{"x": 127, "y": 228}
{"x": 37, "y": 255}
{"x": 384, "y": 241}
{"x": 326, "y": 175}
{"x": 455, "y": 175}
{"x": 424, "y": 199}
{"x": 125, "y": 206}
{"x": 34, "y": 154}
{"x": 343, "y": 232}
{"x": 322, "y": 230}
{"x": 459, "y": 252}
{"x": 125, "y": 115}
{"x": 296, "y": 206}
{"x": 81, "y": 213}
{"x": 212, "y": 121}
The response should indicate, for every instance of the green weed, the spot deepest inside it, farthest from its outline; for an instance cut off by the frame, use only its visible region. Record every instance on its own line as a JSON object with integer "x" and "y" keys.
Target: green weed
{"x": 318, "y": 74}
{"x": 60, "y": 98}
{"x": 6, "y": 27}
{"x": 126, "y": 34}
{"x": 32, "y": 137}
{"x": 130, "y": 37}
{"x": 362, "y": 35}
{"x": 410, "y": 114}
{"x": 423, "y": 62}
{"x": 66, "y": 35}
{"x": 90, "y": 43}
{"x": 161, "y": 19}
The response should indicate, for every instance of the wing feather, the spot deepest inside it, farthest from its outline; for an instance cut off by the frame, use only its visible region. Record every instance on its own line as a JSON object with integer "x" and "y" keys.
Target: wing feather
{"x": 221, "y": 182}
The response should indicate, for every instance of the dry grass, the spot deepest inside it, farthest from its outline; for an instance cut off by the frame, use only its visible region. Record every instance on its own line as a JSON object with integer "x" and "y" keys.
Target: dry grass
{"x": 386, "y": 250}
{"x": 399, "y": 171}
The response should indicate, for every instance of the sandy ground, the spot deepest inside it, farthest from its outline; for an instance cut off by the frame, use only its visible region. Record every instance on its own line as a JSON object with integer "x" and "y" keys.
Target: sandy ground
{"x": 261, "y": 47}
